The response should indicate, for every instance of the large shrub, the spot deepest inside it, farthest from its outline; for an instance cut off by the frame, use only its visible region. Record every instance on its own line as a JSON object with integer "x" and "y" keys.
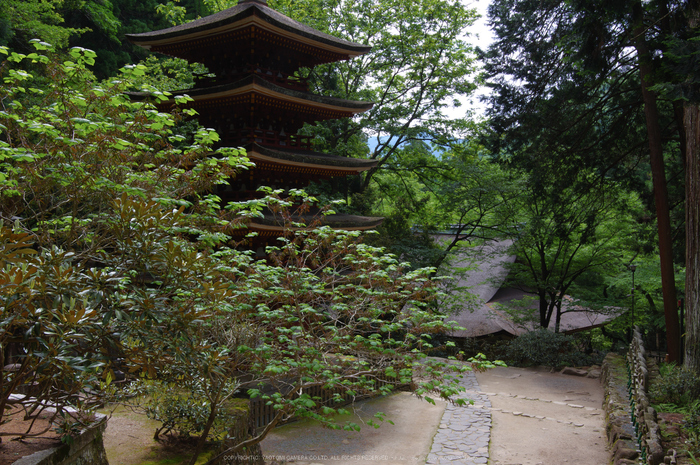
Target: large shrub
{"x": 120, "y": 257}
{"x": 544, "y": 347}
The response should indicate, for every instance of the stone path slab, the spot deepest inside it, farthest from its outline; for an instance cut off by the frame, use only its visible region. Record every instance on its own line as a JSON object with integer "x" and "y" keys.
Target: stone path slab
{"x": 464, "y": 432}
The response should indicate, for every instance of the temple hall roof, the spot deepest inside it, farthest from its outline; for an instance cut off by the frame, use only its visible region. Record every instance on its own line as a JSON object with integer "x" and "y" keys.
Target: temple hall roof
{"x": 270, "y": 225}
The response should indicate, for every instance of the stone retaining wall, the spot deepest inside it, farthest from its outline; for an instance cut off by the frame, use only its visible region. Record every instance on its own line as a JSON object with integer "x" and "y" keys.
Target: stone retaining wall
{"x": 85, "y": 449}
{"x": 643, "y": 414}
{"x": 633, "y": 432}
{"x": 618, "y": 421}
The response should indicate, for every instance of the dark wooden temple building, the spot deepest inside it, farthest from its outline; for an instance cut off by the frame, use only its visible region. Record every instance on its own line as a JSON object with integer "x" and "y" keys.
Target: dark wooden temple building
{"x": 257, "y": 100}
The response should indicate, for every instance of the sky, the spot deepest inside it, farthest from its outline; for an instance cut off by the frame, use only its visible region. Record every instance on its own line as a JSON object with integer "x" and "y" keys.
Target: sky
{"x": 481, "y": 36}
{"x": 480, "y": 28}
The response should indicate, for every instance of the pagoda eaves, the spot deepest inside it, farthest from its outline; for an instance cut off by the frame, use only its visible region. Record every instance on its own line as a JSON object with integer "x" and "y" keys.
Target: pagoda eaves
{"x": 271, "y": 94}
{"x": 307, "y": 161}
{"x": 243, "y": 22}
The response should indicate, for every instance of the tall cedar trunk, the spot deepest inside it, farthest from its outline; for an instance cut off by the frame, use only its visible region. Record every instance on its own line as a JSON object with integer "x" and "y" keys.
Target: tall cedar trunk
{"x": 660, "y": 193}
{"x": 691, "y": 121}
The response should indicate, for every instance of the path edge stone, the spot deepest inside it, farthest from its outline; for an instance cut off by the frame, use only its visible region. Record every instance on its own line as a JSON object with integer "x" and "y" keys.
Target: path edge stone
{"x": 620, "y": 433}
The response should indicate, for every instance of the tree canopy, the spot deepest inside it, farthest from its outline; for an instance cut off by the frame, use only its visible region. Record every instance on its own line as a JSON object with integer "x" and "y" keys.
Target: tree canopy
{"x": 579, "y": 81}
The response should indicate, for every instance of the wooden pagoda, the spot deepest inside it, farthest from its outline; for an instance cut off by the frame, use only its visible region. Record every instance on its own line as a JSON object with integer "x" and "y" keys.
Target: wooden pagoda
{"x": 257, "y": 101}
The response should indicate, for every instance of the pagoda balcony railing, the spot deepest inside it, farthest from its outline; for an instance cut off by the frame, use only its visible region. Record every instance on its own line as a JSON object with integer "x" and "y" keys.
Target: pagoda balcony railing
{"x": 274, "y": 76}
{"x": 268, "y": 138}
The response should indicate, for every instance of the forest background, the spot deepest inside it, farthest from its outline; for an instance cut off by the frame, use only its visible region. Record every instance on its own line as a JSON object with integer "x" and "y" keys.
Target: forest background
{"x": 586, "y": 160}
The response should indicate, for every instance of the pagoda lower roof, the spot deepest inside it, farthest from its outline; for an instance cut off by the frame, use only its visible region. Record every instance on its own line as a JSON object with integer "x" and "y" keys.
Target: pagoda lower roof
{"x": 307, "y": 161}
{"x": 246, "y": 13}
{"x": 256, "y": 85}
{"x": 270, "y": 225}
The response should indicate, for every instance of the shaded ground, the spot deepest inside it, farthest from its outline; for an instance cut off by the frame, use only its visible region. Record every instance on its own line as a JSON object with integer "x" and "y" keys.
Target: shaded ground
{"x": 129, "y": 440}
{"x": 12, "y": 449}
{"x": 407, "y": 441}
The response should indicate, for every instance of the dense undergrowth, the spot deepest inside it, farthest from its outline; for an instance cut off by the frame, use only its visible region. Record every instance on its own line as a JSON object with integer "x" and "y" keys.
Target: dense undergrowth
{"x": 676, "y": 390}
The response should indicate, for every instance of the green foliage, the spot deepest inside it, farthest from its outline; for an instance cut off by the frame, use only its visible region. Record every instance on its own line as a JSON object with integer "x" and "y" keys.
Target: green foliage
{"x": 692, "y": 457}
{"x": 543, "y": 347}
{"x": 105, "y": 23}
{"x": 480, "y": 363}
{"x": 563, "y": 235}
{"x": 418, "y": 67}
{"x": 168, "y": 74}
{"x": 93, "y": 145}
{"x": 599, "y": 342}
{"x": 84, "y": 171}
{"x": 692, "y": 427}
{"x": 102, "y": 16}
{"x": 415, "y": 246}
{"x": 675, "y": 385}
{"x": 524, "y": 313}
{"x": 177, "y": 12}
{"x": 568, "y": 98}
{"x": 22, "y": 20}
{"x": 643, "y": 307}
{"x": 179, "y": 408}
{"x": 52, "y": 332}
{"x": 100, "y": 25}
{"x": 677, "y": 389}
{"x": 566, "y": 85}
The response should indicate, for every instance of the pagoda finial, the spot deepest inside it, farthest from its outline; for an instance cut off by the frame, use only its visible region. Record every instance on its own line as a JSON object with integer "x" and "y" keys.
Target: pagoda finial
{"x": 262, "y": 2}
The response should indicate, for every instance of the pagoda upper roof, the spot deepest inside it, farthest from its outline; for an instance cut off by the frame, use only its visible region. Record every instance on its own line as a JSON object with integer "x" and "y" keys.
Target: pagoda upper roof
{"x": 246, "y": 13}
{"x": 260, "y": 86}
{"x": 300, "y": 160}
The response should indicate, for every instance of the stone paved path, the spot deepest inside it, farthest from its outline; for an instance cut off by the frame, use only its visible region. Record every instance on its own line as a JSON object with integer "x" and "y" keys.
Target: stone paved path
{"x": 464, "y": 433}
{"x": 519, "y": 416}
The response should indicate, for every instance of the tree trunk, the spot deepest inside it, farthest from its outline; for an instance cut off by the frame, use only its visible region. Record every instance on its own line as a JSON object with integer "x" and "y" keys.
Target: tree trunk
{"x": 691, "y": 121}
{"x": 201, "y": 442}
{"x": 545, "y": 312}
{"x": 557, "y": 321}
{"x": 660, "y": 192}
